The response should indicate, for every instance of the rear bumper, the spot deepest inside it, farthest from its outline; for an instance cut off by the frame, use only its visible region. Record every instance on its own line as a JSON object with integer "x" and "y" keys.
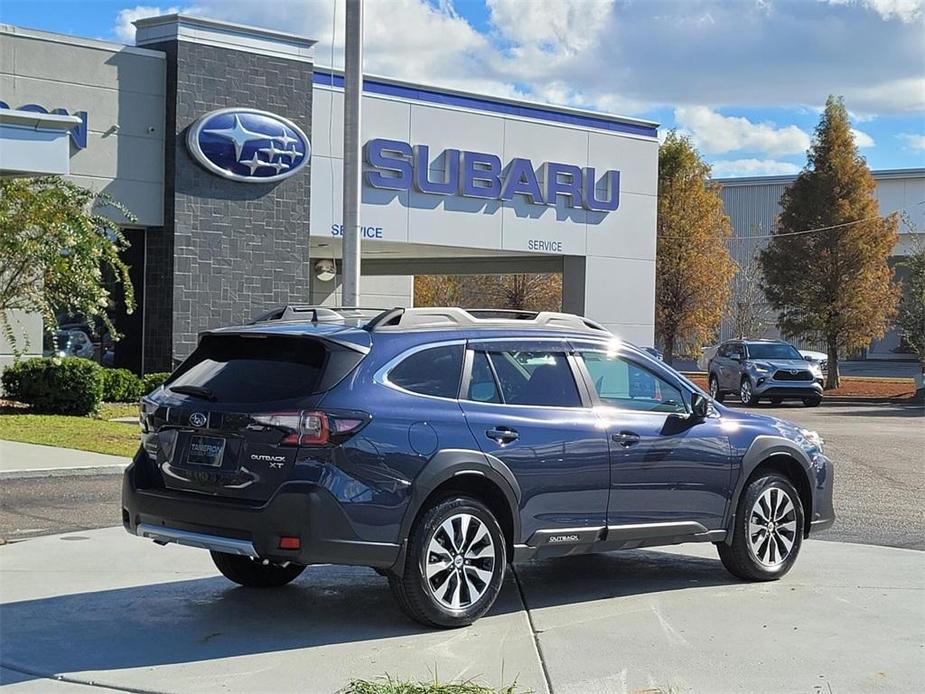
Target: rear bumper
{"x": 298, "y": 509}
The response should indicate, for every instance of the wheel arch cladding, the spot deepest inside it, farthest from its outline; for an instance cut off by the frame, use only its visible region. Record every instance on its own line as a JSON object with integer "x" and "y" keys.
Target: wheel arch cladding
{"x": 470, "y": 473}
{"x": 775, "y": 454}
{"x": 796, "y": 473}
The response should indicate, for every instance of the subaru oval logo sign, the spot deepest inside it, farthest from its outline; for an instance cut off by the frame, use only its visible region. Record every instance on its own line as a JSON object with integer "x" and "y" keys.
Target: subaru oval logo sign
{"x": 248, "y": 145}
{"x": 197, "y": 419}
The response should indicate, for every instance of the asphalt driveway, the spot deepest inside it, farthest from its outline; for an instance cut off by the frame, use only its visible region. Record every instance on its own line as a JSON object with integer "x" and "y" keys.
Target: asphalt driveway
{"x": 879, "y": 454}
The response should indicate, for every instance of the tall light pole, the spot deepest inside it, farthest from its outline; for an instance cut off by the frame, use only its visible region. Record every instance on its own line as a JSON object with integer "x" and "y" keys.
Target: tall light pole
{"x": 353, "y": 94}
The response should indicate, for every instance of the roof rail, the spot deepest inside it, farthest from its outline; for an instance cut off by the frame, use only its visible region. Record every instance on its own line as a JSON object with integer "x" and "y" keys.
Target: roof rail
{"x": 447, "y": 318}
{"x": 316, "y": 314}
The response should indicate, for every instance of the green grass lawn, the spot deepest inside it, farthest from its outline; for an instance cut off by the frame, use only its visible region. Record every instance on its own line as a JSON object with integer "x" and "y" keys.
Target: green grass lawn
{"x": 85, "y": 433}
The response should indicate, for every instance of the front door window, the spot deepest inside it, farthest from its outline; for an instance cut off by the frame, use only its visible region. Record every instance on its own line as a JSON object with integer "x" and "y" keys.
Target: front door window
{"x": 628, "y": 386}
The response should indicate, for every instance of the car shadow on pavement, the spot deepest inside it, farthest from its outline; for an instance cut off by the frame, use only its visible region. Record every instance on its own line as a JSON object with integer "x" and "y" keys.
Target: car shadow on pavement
{"x": 189, "y": 621}
{"x": 590, "y": 577}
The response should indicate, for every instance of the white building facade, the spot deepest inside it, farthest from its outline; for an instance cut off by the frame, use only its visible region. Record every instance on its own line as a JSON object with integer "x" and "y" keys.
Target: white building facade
{"x": 454, "y": 182}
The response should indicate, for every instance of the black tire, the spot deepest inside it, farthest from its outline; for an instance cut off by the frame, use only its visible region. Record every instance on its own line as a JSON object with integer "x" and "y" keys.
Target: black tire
{"x": 751, "y": 399}
{"x": 253, "y": 573}
{"x": 738, "y": 556}
{"x": 715, "y": 392}
{"x": 415, "y": 593}
{"x": 812, "y": 402}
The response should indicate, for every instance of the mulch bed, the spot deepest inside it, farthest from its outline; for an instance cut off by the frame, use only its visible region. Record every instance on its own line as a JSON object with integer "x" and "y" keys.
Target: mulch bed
{"x": 854, "y": 387}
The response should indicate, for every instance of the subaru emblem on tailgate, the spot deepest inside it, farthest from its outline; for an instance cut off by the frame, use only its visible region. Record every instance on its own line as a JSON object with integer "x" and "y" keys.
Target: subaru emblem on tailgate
{"x": 248, "y": 145}
{"x": 198, "y": 419}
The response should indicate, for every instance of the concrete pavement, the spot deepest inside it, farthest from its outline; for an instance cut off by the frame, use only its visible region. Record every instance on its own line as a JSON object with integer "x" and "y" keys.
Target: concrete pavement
{"x": 101, "y": 606}
{"x": 21, "y": 460}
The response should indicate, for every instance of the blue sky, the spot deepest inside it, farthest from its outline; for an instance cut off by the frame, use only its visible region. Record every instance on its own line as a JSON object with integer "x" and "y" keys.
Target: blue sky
{"x": 744, "y": 78}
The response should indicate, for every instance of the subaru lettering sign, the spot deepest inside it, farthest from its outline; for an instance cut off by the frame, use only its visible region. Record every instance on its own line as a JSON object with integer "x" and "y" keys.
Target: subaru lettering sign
{"x": 248, "y": 145}
{"x": 396, "y": 165}
{"x": 78, "y": 133}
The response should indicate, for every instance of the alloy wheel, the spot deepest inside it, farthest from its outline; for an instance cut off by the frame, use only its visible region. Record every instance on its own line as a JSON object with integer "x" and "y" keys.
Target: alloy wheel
{"x": 772, "y": 527}
{"x": 460, "y": 561}
{"x": 745, "y": 393}
{"x": 714, "y": 388}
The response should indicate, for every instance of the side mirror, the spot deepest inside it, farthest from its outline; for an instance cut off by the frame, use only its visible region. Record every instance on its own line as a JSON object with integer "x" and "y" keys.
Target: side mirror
{"x": 808, "y": 358}
{"x": 700, "y": 406}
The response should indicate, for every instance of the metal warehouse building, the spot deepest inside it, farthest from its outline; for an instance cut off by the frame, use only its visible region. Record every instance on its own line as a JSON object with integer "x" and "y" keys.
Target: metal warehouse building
{"x": 199, "y": 128}
{"x": 753, "y": 205}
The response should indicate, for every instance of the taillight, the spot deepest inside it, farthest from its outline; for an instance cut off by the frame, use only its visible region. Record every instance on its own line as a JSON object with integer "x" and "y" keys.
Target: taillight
{"x": 315, "y": 429}
{"x": 312, "y": 428}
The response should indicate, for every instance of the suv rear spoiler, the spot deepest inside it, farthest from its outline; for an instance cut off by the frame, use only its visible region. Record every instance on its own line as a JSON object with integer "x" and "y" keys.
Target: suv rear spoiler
{"x": 356, "y": 340}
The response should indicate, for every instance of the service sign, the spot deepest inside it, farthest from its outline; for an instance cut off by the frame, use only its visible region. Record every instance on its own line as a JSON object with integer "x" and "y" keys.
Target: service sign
{"x": 248, "y": 145}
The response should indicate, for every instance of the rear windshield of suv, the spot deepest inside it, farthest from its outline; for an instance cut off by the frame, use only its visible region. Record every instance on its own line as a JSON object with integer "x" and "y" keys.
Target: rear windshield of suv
{"x": 231, "y": 368}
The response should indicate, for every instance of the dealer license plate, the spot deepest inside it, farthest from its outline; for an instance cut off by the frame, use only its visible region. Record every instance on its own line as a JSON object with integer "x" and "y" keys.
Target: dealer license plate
{"x": 205, "y": 450}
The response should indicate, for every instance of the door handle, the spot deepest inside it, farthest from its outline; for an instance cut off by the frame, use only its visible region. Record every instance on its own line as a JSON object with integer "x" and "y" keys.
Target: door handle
{"x": 502, "y": 434}
{"x": 625, "y": 438}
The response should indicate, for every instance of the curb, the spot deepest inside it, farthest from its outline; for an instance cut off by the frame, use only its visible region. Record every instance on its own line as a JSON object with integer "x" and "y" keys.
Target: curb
{"x": 85, "y": 471}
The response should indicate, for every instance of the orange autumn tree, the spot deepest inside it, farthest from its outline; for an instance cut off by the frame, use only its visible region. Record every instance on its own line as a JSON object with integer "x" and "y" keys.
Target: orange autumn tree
{"x": 525, "y": 291}
{"x": 693, "y": 266}
{"x": 835, "y": 284}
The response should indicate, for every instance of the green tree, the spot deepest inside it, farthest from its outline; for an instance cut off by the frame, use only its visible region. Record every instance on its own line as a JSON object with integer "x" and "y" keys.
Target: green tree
{"x": 56, "y": 243}
{"x": 693, "y": 266}
{"x": 911, "y": 318}
{"x": 835, "y": 284}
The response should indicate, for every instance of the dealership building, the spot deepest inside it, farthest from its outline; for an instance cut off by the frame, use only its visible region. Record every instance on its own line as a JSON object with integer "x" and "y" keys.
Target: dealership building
{"x": 225, "y": 142}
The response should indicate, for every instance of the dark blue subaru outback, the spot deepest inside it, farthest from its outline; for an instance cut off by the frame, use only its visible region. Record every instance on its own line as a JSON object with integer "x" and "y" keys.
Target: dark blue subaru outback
{"x": 436, "y": 445}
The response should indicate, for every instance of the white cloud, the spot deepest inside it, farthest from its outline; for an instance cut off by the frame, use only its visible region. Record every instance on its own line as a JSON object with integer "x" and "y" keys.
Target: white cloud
{"x": 124, "y": 30}
{"x": 552, "y": 26}
{"x": 862, "y": 139}
{"x": 897, "y": 96}
{"x": 913, "y": 141}
{"x": 906, "y": 11}
{"x": 717, "y": 134}
{"x": 624, "y": 57}
{"x": 730, "y": 168}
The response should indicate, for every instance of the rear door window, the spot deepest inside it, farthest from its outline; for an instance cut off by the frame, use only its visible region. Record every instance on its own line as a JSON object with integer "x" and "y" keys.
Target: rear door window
{"x": 232, "y": 368}
{"x": 536, "y": 378}
{"x": 434, "y": 371}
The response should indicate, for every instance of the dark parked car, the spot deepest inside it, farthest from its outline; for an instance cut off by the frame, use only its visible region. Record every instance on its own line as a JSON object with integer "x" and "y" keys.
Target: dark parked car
{"x": 771, "y": 369}
{"x": 436, "y": 445}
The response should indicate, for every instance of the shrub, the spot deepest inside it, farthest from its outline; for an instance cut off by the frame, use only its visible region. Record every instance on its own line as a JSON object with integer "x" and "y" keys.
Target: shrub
{"x": 154, "y": 380}
{"x": 54, "y": 385}
{"x": 121, "y": 385}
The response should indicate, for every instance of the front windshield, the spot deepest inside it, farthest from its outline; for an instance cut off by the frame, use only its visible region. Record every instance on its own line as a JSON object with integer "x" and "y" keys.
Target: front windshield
{"x": 772, "y": 350}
